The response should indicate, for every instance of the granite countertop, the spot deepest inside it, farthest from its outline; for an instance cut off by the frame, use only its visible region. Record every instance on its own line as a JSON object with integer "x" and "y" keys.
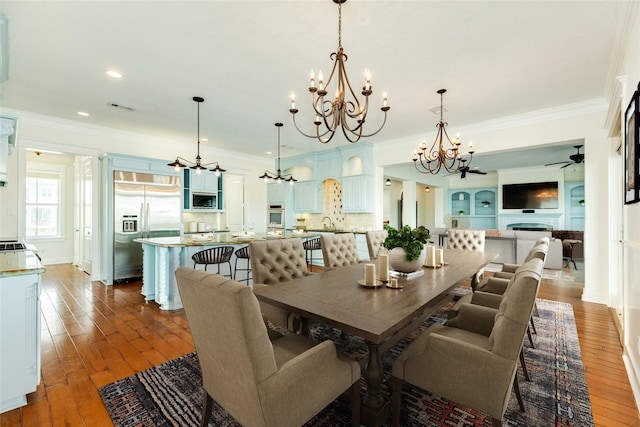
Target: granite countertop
{"x": 335, "y": 231}
{"x": 18, "y": 263}
{"x": 206, "y": 239}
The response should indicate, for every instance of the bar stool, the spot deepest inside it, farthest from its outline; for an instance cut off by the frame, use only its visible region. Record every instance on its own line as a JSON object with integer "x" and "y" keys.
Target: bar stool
{"x": 216, "y": 255}
{"x": 309, "y": 246}
{"x": 243, "y": 253}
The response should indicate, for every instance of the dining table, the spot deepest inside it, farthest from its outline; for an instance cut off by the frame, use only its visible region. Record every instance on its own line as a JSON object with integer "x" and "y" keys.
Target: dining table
{"x": 381, "y": 315}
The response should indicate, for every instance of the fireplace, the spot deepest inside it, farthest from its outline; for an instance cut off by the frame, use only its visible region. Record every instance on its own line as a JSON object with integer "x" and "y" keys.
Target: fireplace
{"x": 535, "y": 222}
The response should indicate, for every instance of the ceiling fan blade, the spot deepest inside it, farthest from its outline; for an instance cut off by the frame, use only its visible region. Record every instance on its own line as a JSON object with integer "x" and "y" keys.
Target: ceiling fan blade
{"x": 478, "y": 172}
{"x": 558, "y": 163}
{"x": 568, "y": 164}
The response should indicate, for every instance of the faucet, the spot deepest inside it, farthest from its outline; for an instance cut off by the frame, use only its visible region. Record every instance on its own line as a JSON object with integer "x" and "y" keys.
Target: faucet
{"x": 331, "y": 226}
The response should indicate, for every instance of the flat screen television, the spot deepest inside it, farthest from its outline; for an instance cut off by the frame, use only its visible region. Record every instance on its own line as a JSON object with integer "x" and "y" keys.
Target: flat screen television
{"x": 532, "y": 195}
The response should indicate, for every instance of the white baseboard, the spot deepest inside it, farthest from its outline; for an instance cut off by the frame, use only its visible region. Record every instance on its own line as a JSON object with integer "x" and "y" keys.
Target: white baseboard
{"x": 634, "y": 375}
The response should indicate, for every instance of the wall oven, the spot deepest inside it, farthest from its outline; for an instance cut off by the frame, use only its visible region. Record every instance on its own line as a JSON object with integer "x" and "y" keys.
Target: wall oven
{"x": 275, "y": 216}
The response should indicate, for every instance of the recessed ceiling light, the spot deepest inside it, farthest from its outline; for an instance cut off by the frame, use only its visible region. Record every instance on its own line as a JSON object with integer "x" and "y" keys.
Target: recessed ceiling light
{"x": 113, "y": 73}
{"x": 269, "y": 152}
{"x": 83, "y": 114}
{"x": 204, "y": 139}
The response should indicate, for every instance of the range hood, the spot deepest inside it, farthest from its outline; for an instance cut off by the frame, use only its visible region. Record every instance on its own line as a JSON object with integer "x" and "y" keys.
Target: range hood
{"x": 7, "y": 142}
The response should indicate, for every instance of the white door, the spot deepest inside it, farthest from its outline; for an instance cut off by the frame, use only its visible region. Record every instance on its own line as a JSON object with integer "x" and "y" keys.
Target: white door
{"x": 234, "y": 203}
{"x": 86, "y": 213}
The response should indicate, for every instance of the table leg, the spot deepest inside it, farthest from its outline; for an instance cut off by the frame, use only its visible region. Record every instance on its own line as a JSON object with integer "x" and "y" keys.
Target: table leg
{"x": 474, "y": 282}
{"x": 375, "y": 409}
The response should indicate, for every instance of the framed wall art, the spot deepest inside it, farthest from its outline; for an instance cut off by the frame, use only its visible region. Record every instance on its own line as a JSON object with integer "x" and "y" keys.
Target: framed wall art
{"x": 631, "y": 151}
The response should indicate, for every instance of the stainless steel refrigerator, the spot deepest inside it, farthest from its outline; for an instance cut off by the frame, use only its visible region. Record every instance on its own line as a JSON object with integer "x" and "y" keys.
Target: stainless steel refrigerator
{"x": 144, "y": 206}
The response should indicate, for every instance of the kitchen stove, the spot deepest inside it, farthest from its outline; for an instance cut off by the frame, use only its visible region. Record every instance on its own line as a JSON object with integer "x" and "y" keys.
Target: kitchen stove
{"x": 11, "y": 245}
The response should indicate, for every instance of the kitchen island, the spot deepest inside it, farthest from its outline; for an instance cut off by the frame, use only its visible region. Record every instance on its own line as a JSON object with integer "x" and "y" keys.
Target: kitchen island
{"x": 19, "y": 327}
{"x": 161, "y": 256}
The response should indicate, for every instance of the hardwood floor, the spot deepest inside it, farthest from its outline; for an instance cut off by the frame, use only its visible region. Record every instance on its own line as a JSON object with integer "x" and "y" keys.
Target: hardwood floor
{"x": 94, "y": 334}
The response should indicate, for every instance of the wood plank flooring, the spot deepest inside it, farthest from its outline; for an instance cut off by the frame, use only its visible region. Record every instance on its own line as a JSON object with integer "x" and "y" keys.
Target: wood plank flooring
{"x": 94, "y": 334}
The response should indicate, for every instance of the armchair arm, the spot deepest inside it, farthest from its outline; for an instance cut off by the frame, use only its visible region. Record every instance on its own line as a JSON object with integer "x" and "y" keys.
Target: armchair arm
{"x": 486, "y": 299}
{"x": 495, "y": 285}
{"x": 474, "y": 318}
{"x": 475, "y": 377}
{"x": 510, "y": 268}
{"x": 311, "y": 379}
{"x": 502, "y": 275}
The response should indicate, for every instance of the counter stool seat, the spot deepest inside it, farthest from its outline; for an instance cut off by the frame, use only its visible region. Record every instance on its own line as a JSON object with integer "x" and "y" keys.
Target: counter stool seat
{"x": 243, "y": 253}
{"x": 216, "y": 255}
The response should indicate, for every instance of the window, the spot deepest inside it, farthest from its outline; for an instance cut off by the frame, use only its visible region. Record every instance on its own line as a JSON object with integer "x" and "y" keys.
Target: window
{"x": 43, "y": 200}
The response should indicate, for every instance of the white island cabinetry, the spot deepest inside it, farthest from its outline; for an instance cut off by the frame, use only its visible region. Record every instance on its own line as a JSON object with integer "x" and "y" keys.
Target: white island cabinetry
{"x": 19, "y": 327}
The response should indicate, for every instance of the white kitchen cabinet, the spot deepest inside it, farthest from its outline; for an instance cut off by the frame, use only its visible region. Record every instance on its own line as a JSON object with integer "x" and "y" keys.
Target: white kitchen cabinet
{"x": 306, "y": 197}
{"x": 275, "y": 193}
{"x": 204, "y": 182}
{"x": 357, "y": 194}
{"x": 19, "y": 338}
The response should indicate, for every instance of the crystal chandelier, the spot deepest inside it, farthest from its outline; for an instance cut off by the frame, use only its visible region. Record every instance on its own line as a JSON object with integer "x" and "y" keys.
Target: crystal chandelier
{"x": 278, "y": 177}
{"x": 442, "y": 154}
{"x": 345, "y": 111}
{"x": 197, "y": 165}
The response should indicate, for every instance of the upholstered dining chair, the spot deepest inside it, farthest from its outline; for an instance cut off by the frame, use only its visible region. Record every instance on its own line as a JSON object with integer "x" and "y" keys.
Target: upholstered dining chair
{"x": 259, "y": 382}
{"x": 486, "y": 343}
{"x": 339, "y": 250}
{"x": 277, "y": 261}
{"x": 467, "y": 240}
{"x": 539, "y": 250}
{"x": 374, "y": 241}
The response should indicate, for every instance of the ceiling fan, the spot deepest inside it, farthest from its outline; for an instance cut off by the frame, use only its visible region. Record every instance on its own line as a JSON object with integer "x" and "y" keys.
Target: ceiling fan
{"x": 575, "y": 158}
{"x": 465, "y": 169}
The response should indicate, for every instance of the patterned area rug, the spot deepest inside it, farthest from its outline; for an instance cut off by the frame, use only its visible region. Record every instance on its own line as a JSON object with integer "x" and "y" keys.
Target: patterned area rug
{"x": 170, "y": 394}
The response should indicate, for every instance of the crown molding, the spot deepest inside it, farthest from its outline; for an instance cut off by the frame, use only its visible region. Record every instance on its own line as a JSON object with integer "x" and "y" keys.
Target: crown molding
{"x": 34, "y": 119}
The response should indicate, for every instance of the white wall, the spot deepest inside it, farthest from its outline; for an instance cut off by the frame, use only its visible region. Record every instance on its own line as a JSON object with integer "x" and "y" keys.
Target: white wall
{"x": 629, "y": 67}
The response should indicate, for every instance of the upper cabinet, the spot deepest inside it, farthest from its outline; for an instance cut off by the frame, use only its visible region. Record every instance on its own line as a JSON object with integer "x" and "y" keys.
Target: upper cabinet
{"x": 203, "y": 182}
{"x": 574, "y": 206}
{"x": 478, "y": 206}
{"x": 275, "y": 193}
{"x": 307, "y": 197}
{"x": 352, "y": 166}
{"x": 357, "y": 194}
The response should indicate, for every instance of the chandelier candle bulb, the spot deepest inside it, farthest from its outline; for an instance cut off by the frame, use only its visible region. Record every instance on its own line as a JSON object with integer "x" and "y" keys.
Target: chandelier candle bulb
{"x": 369, "y": 274}
{"x": 384, "y": 267}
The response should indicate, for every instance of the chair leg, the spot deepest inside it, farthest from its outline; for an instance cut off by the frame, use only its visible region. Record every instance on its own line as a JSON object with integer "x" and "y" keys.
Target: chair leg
{"x": 396, "y": 396}
{"x": 524, "y": 365}
{"x": 496, "y": 422}
{"x": 530, "y": 337}
{"x": 516, "y": 388}
{"x": 535, "y": 307}
{"x": 533, "y": 325}
{"x": 355, "y": 404}
{"x": 207, "y": 406}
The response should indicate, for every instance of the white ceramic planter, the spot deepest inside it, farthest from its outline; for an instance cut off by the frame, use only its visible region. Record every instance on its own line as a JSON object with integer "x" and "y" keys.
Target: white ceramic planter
{"x": 398, "y": 260}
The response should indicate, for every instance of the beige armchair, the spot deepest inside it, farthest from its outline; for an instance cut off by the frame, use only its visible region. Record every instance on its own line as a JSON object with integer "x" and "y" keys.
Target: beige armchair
{"x": 277, "y": 261}
{"x": 339, "y": 250}
{"x": 374, "y": 242}
{"x": 259, "y": 382}
{"x": 486, "y": 344}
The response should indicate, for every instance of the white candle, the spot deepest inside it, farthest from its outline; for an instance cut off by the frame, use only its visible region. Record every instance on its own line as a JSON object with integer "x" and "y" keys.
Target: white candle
{"x": 369, "y": 274}
{"x": 431, "y": 256}
{"x": 394, "y": 282}
{"x": 384, "y": 267}
{"x": 440, "y": 256}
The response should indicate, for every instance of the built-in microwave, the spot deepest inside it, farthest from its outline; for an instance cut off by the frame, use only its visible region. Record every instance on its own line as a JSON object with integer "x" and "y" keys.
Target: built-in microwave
{"x": 275, "y": 216}
{"x": 201, "y": 201}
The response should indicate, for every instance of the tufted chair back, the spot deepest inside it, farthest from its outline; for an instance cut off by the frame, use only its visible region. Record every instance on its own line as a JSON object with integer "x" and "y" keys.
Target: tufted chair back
{"x": 276, "y": 261}
{"x": 339, "y": 250}
{"x": 374, "y": 241}
{"x": 468, "y": 240}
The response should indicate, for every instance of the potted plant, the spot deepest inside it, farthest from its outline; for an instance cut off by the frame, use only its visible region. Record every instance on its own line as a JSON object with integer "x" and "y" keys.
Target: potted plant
{"x": 406, "y": 247}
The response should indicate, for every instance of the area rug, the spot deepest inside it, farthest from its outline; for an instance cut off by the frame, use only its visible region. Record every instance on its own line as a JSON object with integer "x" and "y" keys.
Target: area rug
{"x": 170, "y": 394}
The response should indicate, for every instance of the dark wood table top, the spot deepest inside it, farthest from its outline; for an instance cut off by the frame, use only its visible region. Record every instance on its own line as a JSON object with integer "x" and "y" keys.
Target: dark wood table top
{"x": 334, "y": 297}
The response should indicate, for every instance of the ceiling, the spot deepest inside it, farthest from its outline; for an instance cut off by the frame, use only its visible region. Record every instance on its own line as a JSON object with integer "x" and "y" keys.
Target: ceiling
{"x": 495, "y": 58}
